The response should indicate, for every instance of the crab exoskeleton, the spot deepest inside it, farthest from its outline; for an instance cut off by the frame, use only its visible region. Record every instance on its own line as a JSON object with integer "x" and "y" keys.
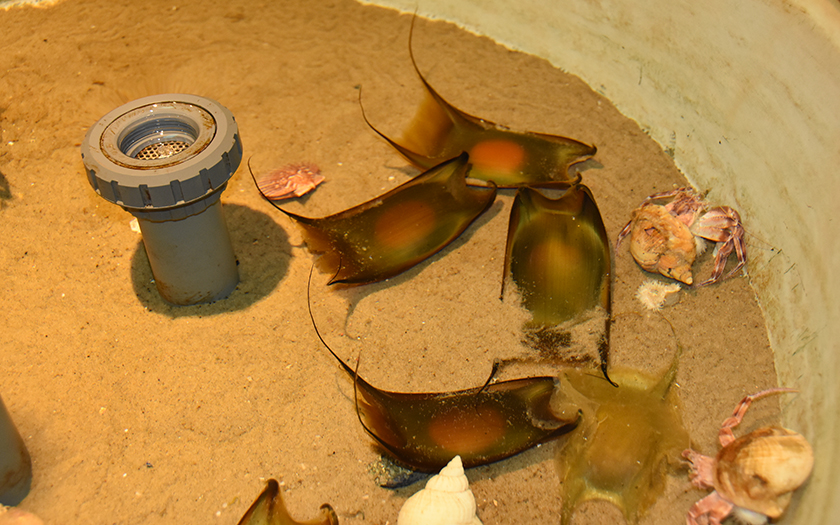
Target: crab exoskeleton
{"x": 666, "y": 238}
{"x": 753, "y": 476}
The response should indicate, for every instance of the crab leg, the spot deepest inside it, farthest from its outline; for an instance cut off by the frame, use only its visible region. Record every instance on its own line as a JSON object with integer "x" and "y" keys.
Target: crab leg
{"x": 702, "y": 469}
{"x": 726, "y": 435}
{"x": 718, "y": 224}
{"x": 723, "y": 251}
{"x": 722, "y": 225}
{"x": 687, "y": 203}
{"x": 623, "y": 233}
{"x": 671, "y": 193}
{"x": 712, "y": 506}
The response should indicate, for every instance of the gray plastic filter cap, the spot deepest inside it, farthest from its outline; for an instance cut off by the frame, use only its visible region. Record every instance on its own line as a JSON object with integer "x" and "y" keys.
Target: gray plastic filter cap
{"x": 161, "y": 152}
{"x": 166, "y": 159}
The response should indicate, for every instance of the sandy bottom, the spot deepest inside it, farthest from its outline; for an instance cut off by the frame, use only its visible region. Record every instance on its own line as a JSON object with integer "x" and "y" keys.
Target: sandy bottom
{"x": 138, "y": 412}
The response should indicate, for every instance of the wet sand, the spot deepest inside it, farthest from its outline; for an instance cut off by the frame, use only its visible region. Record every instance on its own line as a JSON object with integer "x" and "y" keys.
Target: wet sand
{"x": 135, "y": 411}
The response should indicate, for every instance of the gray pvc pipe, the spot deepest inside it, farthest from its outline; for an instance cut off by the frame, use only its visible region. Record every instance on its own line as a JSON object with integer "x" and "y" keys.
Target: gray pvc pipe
{"x": 15, "y": 463}
{"x": 166, "y": 159}
{"x": 191, "y": 258}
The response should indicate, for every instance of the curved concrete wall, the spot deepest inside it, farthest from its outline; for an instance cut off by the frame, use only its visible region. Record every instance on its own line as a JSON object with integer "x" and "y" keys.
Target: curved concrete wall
{"x": 747, "y": 96}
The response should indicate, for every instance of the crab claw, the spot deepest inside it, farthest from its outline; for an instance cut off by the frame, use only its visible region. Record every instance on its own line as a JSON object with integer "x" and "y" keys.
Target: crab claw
{"x": 723, "y": 226}
{"x": 713, "y": 508}
{"x": 702, "y": 469}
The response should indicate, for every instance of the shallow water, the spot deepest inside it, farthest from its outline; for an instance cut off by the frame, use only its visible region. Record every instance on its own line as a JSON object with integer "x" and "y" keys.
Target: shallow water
{"x": 134, "y": 411}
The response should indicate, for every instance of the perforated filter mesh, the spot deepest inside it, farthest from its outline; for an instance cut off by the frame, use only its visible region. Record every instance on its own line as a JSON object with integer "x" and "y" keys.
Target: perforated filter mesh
{"x": 162, "y": 150}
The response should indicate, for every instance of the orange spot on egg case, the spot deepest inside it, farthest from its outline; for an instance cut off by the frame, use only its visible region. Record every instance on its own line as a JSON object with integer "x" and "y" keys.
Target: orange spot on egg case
{"x": 405, "y": 225}
{"x": 461, "y": 431}
{"x": 498, "y": 155}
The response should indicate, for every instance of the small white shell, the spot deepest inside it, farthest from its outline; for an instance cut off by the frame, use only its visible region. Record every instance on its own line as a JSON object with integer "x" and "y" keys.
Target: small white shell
{"x": 13, "y": 516}
{"x": 446, "y": 500}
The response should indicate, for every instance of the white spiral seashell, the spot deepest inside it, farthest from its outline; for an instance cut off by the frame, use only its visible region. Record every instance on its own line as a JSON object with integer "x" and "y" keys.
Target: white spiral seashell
{"x": 446, "y": 500}
{"x": 13, "y": 516}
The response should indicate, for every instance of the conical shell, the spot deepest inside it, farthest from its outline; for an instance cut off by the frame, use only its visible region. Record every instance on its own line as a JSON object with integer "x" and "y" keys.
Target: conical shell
{"x": 662, "y": 243}
{"x": 446, "y": 500}
{"x": 13, "y": 516}
{"x": 759, "y": 471}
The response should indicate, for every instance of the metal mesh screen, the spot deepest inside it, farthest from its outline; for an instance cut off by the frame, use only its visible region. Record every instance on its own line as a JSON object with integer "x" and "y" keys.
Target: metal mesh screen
{"x": 161, "y": 150}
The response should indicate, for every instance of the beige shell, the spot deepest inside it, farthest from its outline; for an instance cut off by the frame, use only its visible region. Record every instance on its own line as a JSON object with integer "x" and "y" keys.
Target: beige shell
{"x": 759, "y": 471}
{"x": 662, "y": 243}
{"x": 13, "y": 516}
{"x": 446, "y": 500}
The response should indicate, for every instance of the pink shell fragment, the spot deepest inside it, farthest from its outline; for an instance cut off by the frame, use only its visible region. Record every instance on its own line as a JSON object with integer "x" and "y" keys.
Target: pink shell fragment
{"x": 293, "y": 180}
